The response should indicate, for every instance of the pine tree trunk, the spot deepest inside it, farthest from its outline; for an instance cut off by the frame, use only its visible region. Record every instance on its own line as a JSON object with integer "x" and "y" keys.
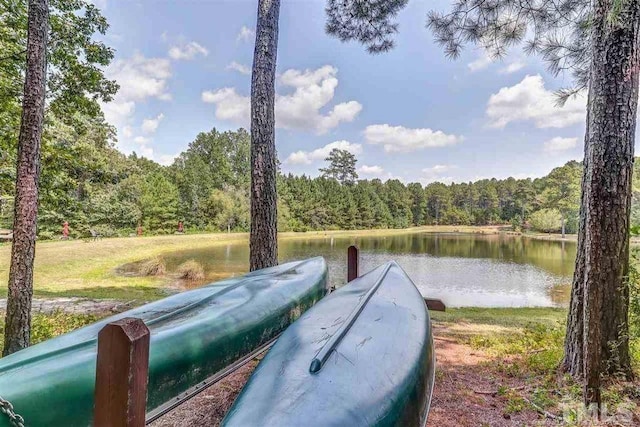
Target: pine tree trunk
{"x": 18, "y": 317}
{"x": 600, "y": 292}
{"x": 263, "y": 241}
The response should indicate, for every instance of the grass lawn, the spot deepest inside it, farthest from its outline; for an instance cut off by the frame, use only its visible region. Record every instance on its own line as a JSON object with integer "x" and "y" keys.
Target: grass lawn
{"x": 86, "y": 269}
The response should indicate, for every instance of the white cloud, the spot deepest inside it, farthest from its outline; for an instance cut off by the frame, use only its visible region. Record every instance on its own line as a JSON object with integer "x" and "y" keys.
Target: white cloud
{"x": 529, "y": 100}
{"x": 127, "y": 132}
{"x": 512, "y": 67}
{"x": 560, "y": 144}
{"x": 187, "y": 51}
{"x": 229, "y": 105}
{"x": 482, "y": 62}
{"x": 370, "y": 170}
{"x": 402, "y": 139}
{"x": 242, "y": 69}
{"x": 313, "y": 90}
{"x": 308, "y": 157}
{"x": 139, "y": 78}
{"x": 245, "y": 34}
{"x": 151, "y": 125}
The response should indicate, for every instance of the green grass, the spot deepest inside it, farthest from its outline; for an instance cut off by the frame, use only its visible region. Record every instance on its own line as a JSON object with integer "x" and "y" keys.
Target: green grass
{"x": 526, "y": 345}
{"x": 86, "y": 269}
{"x": 507, "y": 317}
{"x": 45, "y": 326}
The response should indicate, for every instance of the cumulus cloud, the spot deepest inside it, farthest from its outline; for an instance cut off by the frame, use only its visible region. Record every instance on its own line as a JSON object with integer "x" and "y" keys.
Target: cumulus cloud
{"x": 370, "y": 170}
{"x": 313, "y": 90}
{"x": 307, "y": 157}
{"x": 560, "y": 144}
{"x": 530, "y": 101}
{"x": 245, "y": 34}
{"x": 402, "y": 139}
{"x": 187, "y": 51}
{"x": 139, "y": 78}
{"x": 242, "y": 69}
{"x": 151, "y": 125}
{"x": 229, "y": 105}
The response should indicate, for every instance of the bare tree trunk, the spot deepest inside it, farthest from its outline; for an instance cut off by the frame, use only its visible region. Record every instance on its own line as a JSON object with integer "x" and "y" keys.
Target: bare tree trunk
{"x": 603, "y": 258}
{"x": 18, "y": 317}
{"x": 263, "y": 241}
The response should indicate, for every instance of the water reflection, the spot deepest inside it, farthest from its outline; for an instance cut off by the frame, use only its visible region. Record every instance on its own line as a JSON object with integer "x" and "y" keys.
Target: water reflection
{"x": 461, "y": 269}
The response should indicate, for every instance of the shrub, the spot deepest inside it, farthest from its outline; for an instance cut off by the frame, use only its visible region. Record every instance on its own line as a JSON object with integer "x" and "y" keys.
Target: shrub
{"x": 153, "y": 267}
{"x": 546, "y": 220}
{"x": 191, "y": 270}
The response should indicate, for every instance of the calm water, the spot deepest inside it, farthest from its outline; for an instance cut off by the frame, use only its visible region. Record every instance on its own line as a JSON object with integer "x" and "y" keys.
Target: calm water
{"x": 460, "y": 269}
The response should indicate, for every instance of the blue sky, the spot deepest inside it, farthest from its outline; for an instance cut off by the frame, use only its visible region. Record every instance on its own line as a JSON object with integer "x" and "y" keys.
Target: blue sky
{"x": 410, "y": 114}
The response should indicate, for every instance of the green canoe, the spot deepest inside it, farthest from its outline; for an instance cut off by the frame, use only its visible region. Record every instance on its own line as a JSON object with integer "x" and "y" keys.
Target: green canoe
{"x": 194, "y": 335}
{"x": 363, "y": 356}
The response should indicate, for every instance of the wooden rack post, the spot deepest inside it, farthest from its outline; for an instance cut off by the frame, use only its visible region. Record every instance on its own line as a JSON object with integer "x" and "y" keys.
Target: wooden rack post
{"x": 122, "y": 372}
{"x": 353, "y": 255}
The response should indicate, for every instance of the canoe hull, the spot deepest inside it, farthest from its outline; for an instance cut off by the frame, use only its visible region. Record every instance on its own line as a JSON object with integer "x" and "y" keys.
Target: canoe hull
{"x": 193, "y": 335}
{"x": 379, "y": 373}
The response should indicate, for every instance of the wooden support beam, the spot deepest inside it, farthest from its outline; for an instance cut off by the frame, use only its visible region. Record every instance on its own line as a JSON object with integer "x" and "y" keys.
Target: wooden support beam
{"x": 122, "y": 373}
{"x": 353, "y": 255}
{"x": 435, "y": 304}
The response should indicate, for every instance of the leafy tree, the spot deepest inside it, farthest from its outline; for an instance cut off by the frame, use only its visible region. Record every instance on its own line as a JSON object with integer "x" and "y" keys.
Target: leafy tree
{"x": 263, "y": 239}
{"x": 438, "y": 200}
{"x": 62, "y": 33}
{"x": 418, "y": 204}
{"x": 547, "y": 220}
{"x": 159, "y": 203}
{"x": 211, "y": 161}
{"x": 342, "y": 166}
{"x": 562, "y": 191}
{"x": 18, "y": 317}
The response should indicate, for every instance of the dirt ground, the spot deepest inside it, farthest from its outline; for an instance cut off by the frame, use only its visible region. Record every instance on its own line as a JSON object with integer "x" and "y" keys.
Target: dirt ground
{"x": 465, "y": 394}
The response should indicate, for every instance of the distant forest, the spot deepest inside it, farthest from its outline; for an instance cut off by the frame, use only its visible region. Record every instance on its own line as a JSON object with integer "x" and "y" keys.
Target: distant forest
{"x": 87, "y": 182}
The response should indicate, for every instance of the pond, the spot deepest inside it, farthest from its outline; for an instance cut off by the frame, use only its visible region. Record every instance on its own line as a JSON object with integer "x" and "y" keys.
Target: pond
{"x": 461, "y": 269}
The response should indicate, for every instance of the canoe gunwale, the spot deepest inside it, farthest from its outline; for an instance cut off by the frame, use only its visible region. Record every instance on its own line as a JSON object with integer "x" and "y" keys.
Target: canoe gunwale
{"x": 323, "y": 354}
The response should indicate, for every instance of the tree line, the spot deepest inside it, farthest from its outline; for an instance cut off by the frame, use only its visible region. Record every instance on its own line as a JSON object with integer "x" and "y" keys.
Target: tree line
{"x": 87, "y": 182}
